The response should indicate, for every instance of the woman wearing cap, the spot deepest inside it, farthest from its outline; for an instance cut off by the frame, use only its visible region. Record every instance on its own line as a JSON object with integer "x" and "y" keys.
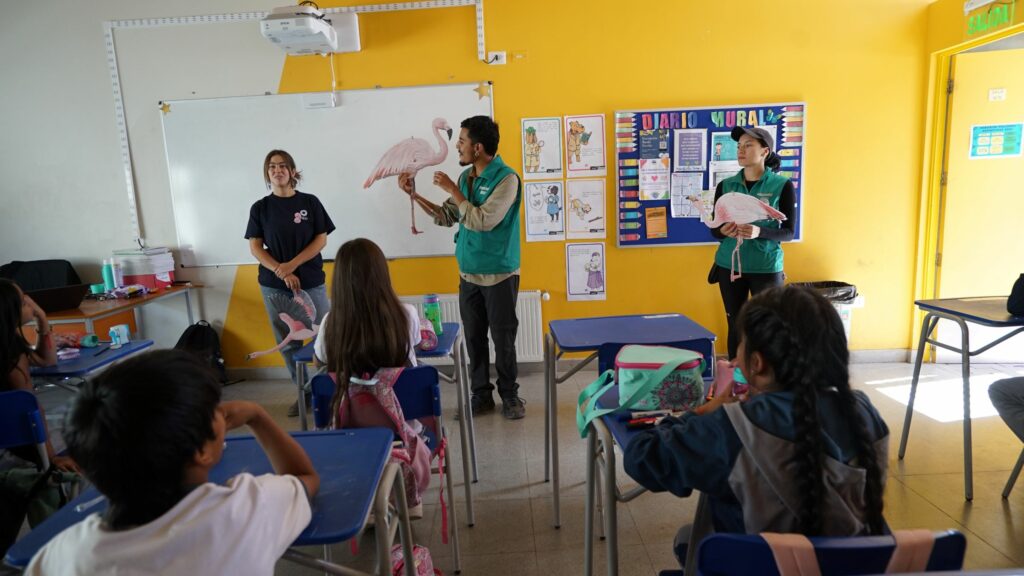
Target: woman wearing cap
{"x": 761, "y": 251}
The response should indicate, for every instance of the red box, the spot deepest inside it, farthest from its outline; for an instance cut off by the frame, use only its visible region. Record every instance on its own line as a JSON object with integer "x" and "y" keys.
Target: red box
{"x": 152, "y": 281}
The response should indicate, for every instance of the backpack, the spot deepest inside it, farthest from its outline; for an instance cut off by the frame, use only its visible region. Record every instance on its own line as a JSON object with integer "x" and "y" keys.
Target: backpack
{"x": 420, "y": 555}
{"x": 371, "y": 402}
{"x": 649, "y": 378}
{"x": 202, "y": 340}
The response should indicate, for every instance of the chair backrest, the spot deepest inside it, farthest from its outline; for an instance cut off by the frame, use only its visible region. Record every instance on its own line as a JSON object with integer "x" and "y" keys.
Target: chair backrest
{"x": 21, "y": 422}
{"x": 607, "y": 352}
{"x": 418, "y": 391}
{"x": 322, "y": 391}
{"x": 735, "y": 554}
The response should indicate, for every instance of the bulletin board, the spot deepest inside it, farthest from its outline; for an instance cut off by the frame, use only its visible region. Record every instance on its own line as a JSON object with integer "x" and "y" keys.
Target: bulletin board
{"x": 679, "y": 152}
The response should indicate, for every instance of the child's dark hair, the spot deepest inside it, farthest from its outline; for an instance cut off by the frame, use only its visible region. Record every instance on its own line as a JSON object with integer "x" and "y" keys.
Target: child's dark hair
{"x": 800, "y": 336}
{"x": 134, "y": 428}
{"x": 367, "y": 328}
{"x": 12, "y": 342}
{"x": 484, "y": 131}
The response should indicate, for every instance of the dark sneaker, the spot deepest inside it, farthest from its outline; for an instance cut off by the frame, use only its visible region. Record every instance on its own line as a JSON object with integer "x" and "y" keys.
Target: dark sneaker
{"x": 481, "y": 404}
{"x": 293, "y": 410}
{"x": 513, "y": 408}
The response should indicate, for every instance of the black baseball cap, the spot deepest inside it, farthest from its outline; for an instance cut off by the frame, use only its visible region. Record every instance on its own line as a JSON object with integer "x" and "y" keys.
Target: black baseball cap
{"x": 757, "y": 133}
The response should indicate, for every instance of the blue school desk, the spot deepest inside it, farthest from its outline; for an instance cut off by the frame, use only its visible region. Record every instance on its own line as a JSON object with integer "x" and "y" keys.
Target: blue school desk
{"x": 603, "y": 434}
{"x": 354, "y": 475}
{"x": 588, "y": 335}
{"x": 450, "y": 344}
{"x": 91, "y": 359}
{"x": 984, "y": 311}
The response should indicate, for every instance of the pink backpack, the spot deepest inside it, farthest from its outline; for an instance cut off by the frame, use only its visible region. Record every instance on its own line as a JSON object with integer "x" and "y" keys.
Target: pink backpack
{"x": 421, "y": 557}
{"x": 371, "y": 402}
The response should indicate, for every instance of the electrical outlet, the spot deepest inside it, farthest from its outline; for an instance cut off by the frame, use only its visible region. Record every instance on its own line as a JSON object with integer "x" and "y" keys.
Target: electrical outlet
{"x": 497, "y": 58}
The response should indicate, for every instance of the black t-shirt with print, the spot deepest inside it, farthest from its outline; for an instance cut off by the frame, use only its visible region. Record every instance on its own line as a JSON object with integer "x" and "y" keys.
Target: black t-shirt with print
{"x": 287, "y": 226}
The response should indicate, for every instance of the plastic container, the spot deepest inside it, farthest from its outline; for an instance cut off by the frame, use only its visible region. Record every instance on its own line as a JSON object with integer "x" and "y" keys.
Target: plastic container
{"x": 108, "y": 275}
{"x": 118, "y": 271}
{"x": 843, "y": 297}
{"x": 432, "y": 310}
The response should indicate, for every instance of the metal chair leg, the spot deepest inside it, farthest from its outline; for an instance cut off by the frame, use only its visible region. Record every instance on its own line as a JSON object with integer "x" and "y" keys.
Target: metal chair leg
{"x": 1013, "y": 476}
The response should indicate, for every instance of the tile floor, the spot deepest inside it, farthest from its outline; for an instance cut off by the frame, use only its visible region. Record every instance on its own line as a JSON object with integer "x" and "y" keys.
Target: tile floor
{"x": 513, "y": 532}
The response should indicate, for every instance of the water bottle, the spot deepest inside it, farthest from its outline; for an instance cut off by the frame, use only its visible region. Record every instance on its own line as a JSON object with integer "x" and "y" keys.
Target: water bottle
{"x": 118, "y": 271}
{"x": 108, "y": 275}
{"x": 432, "y": 310}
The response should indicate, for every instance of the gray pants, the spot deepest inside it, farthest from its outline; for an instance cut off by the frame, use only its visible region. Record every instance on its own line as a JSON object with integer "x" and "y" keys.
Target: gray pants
{"x": 1008, "y": 398}
{"x": 320, "y": 301}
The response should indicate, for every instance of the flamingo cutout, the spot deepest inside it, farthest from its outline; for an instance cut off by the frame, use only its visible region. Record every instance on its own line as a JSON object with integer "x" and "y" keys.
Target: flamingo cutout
{"x": 740, "y": 209}
{"x": 298, "y": 314}
{"x": 410, "y": 156}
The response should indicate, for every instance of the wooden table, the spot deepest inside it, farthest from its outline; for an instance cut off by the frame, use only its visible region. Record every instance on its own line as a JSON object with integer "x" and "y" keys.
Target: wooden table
{"x": 91, "y": 311}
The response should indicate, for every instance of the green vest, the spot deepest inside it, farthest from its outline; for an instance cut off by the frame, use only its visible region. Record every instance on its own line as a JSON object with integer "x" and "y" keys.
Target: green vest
{"x": 759, "y": 256}
{"x": 495, "y": 251}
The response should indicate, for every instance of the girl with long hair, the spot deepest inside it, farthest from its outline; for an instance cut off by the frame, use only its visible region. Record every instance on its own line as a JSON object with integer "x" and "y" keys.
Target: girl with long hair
{"x": 763, "y": 463}
{"x": 368, "y": 327}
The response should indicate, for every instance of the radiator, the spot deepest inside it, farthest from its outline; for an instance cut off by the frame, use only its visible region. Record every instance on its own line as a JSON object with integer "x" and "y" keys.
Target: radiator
{"x": 529, "y": 341}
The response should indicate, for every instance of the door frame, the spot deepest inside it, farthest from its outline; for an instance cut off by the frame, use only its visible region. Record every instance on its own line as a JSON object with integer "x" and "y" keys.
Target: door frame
{"x": 932, "y": 194}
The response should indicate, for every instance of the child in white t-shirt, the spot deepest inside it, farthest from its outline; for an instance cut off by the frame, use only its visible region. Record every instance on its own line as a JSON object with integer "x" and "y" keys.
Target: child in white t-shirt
{"x": 147, "y": 432}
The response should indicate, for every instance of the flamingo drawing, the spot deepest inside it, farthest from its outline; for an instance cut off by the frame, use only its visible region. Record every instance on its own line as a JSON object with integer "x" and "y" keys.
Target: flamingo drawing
{"x": 410, "y": 156}
{"x": 298, "y": 313}
{"x": 740, "y": 209}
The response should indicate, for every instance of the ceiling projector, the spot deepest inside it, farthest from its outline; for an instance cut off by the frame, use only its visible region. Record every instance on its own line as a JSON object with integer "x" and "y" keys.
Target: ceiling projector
{"x": 300, "y": 30}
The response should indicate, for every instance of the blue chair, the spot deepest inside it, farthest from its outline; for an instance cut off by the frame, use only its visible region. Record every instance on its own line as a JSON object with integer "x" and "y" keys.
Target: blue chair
{"x": 418, "y": 390}
{"x": 741, "y": 554}
{"x": 21, "y": 423}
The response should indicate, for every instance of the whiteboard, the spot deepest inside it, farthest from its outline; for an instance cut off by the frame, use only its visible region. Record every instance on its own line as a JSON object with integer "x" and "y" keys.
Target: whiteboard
{"x": 215, "y": 151}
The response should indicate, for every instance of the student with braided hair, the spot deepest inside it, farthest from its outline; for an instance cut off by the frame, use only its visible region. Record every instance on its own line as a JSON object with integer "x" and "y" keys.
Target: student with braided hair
{"x": 802, "y": 453}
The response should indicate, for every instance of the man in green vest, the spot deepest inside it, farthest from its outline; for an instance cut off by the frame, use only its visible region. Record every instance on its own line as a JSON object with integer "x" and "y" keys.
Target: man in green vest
{"x": 485, "y": 204}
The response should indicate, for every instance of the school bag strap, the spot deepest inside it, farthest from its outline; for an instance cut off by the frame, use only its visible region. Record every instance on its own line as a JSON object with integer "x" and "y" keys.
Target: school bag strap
{"x": 586, "y": 403}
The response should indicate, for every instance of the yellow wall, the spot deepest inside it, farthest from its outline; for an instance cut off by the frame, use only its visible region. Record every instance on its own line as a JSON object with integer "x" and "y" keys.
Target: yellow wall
{"x": 981, "y": 236}
{"x": 860, "y": 67}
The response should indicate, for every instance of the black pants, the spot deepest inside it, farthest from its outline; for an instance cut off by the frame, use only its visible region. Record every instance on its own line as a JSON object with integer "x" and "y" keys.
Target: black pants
{"x": 735, "y": 295}
{"x": 494, "y": 308}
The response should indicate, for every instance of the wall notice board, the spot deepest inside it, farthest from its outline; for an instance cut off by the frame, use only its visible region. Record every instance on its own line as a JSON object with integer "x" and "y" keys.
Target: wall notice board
{"x": 215, "y": 150}
{"x": 664, "y": 156}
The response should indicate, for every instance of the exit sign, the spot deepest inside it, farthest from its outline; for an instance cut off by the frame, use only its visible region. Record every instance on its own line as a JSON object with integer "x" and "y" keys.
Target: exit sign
{"x": 990, "y": 15}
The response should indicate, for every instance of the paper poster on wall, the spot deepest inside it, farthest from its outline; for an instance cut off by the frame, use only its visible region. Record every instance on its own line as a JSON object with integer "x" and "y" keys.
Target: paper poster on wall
{"x": 690, "y": 151}
{"x": 685, "y": 186}
{"x": 542, "y": 148}
{"x": 723, "y": 147}
{"x": 584, "y": 145}
{"x": 585, "y": 208}
{"x": 545, "y": 211}
{"x": 585, "y": 271}
{"x": 720, "y": 171}
{"x": 996, "y": 140}
{"x": 654, "y": 178}
{"x": 656, "y": 222}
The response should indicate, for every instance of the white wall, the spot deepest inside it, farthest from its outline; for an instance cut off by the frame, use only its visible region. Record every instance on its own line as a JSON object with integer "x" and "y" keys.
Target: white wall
{"x": 63, "y": 190}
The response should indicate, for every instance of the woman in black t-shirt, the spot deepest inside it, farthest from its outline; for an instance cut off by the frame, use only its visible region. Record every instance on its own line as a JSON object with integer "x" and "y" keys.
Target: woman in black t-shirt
{"x": 286, "y": 232}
